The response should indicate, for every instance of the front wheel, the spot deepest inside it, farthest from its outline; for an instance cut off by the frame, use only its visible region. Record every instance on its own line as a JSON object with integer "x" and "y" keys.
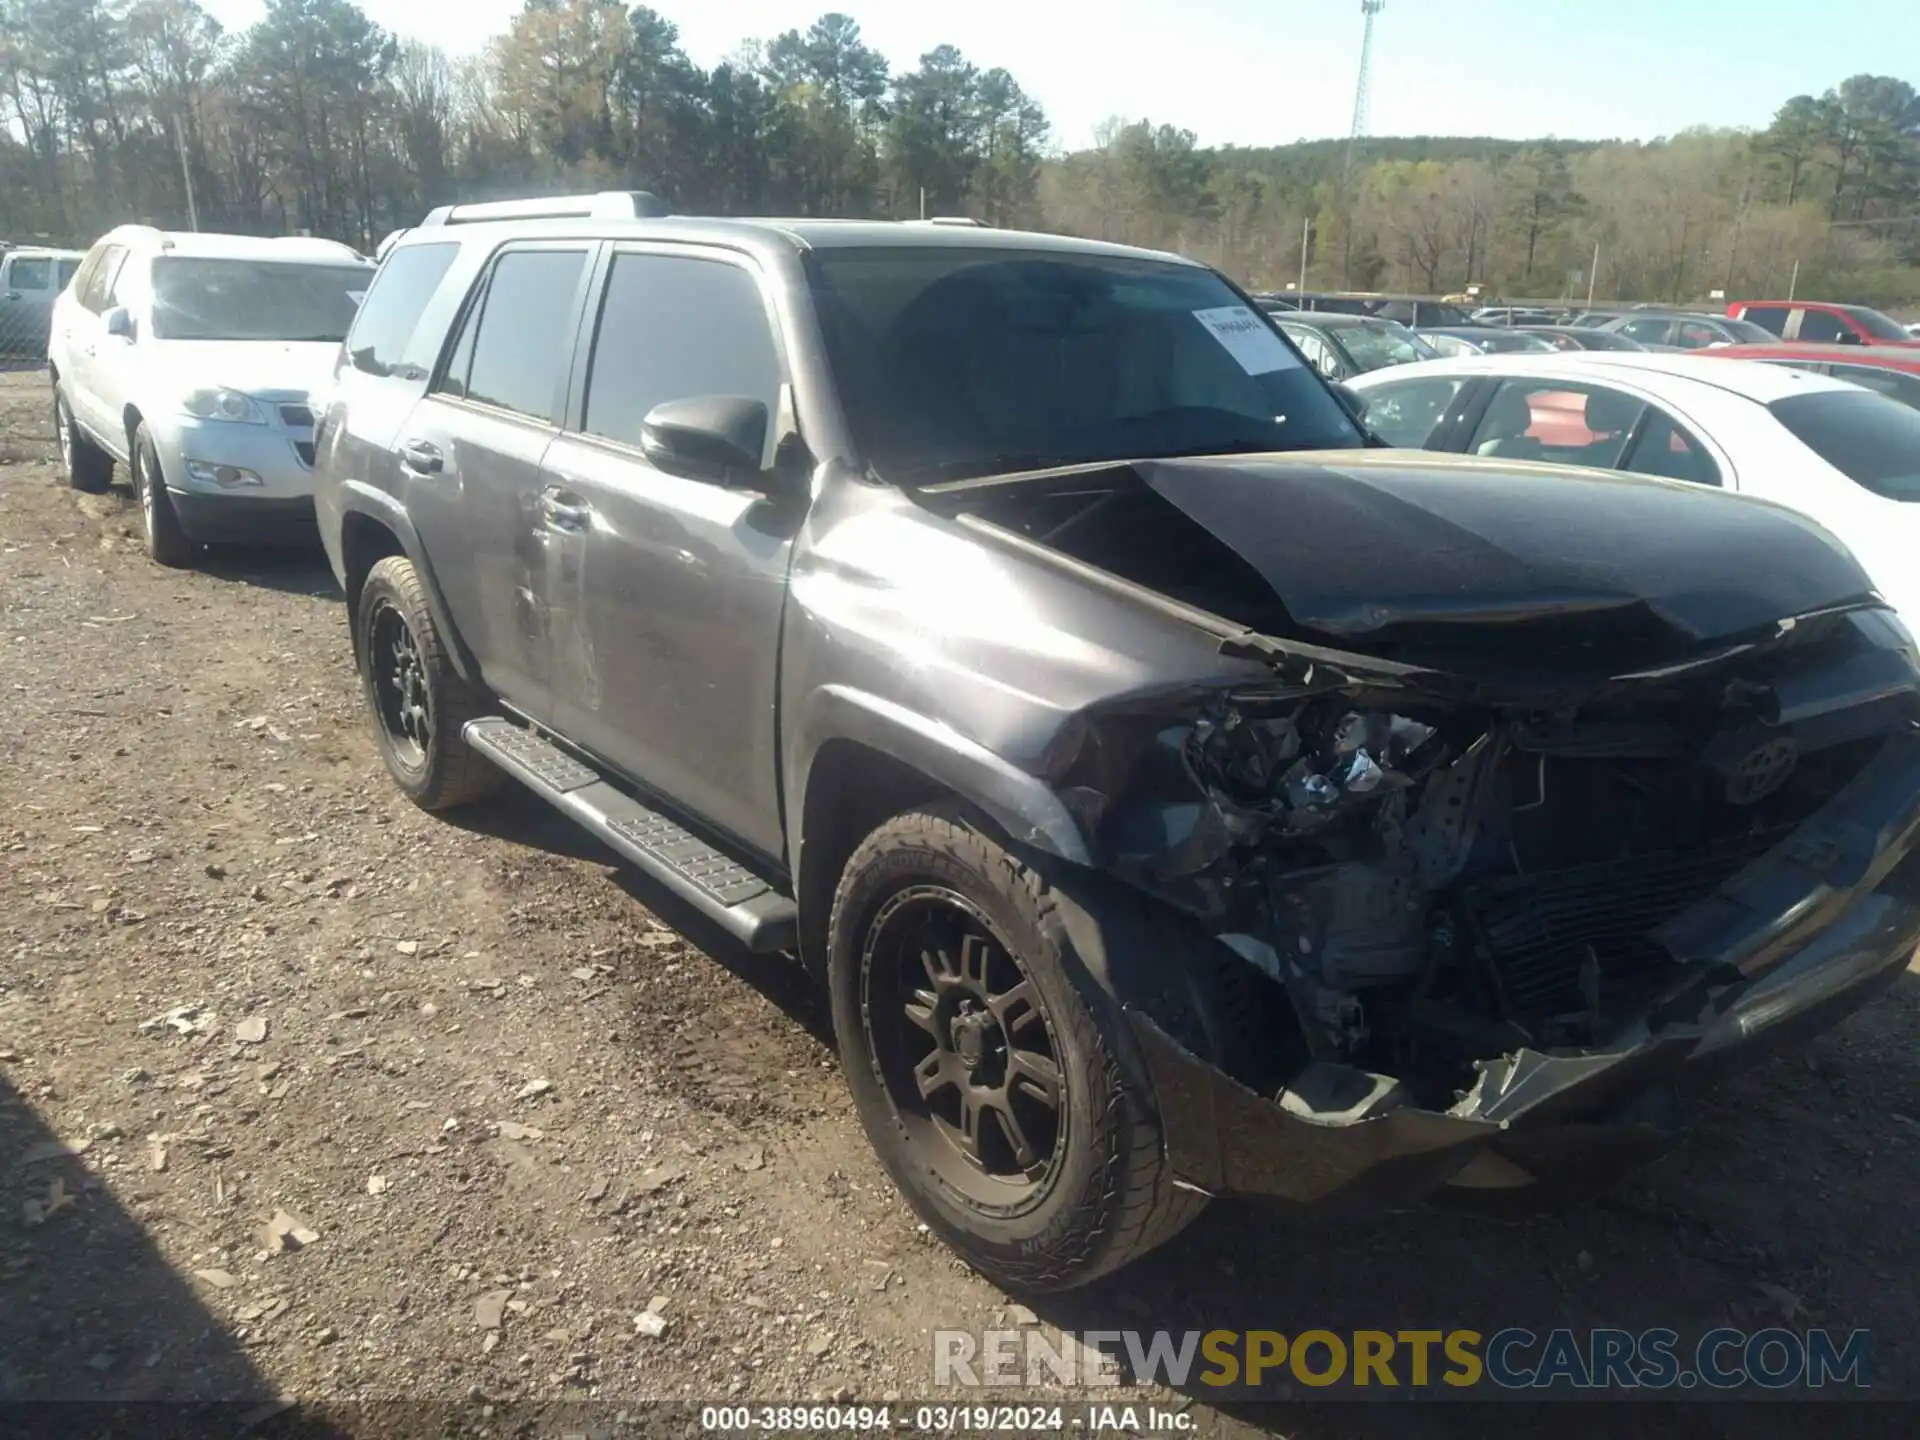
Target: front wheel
{"x": 167, "y": 544}
{"x": 990, "y": 1073}
{"x": 418, "y": 701}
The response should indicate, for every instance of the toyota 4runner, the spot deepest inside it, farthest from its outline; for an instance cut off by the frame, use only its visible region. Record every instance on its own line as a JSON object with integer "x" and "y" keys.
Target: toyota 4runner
{"x": 1179, "y": 794}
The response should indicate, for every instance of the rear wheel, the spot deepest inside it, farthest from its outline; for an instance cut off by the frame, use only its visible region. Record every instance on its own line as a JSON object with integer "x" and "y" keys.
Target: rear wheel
{"x": 993, "y": 1078}
{"x": 88, "y": 467}
{"x": 418, "y": 701}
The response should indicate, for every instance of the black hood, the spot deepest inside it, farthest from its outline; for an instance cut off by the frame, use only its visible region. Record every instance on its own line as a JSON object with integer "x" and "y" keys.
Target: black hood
{"x": 1378, "y": 546}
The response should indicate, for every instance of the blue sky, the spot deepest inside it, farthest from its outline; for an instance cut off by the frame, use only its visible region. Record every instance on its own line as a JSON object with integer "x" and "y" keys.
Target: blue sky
{"x": 1256, "y": 72}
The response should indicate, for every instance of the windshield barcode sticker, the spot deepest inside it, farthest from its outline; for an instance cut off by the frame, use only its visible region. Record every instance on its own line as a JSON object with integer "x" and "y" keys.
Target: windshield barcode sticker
{"x": 1249, "y": 339}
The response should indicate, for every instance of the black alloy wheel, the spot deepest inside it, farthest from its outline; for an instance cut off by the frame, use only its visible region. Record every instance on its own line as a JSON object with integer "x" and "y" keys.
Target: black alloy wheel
{"x": 403, "y": 703}
{"x": 965, "y": 1047}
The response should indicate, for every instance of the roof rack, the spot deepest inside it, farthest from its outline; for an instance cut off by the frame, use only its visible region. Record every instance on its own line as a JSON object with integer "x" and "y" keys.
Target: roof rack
{"x": 949, "y": 220}
{"x": 607, "y": 205}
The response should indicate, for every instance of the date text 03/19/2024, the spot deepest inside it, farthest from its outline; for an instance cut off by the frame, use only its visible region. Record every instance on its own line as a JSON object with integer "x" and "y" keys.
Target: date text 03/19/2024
{"x": 945, "y": 1419}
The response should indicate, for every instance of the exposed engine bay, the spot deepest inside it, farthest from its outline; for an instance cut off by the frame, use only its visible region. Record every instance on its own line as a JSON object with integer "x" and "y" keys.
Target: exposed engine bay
{"x": 1434, "y": 885}
{"x": 1437, "y": 855}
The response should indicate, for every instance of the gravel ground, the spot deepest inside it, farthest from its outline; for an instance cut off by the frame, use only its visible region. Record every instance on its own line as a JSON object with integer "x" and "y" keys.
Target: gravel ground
{"x": 304, "y": 1093}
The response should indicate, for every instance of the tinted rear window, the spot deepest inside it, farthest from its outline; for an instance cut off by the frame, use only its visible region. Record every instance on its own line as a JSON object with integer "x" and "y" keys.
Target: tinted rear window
{"x": 1870, "y": 439}
{"x": 1881, "y": 327}
{"x": 399, "y": 295}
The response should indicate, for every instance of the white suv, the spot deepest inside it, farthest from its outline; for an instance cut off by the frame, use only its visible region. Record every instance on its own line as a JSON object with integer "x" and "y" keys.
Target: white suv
{"x": 192, "y": 360}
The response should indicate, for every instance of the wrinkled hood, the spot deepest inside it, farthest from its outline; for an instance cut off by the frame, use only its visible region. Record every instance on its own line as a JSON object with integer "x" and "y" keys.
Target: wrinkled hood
{"x": 1359, "y": 545}
{"x": 258, "y": 367}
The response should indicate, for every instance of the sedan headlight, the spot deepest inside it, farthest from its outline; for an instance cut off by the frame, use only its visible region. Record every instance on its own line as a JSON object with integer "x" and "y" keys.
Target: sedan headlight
{"x": 219, "y": 403}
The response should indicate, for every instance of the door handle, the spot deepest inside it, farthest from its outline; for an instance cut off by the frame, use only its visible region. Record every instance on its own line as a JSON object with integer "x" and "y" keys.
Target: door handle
{"x": 564, "y": 510}
{"x": 421, "y": 457}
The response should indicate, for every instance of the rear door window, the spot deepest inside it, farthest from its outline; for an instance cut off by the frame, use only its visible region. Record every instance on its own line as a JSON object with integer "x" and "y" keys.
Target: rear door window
{"x": 673, "y": 327}
{"x": 1552, "y": 420}
{"x": 518, "y": 338}
{"x": 1647, "y": 331}
{"x": 101, "y": 281}
{"x": 1406, "y": 413}
{"x": 1818, "y": 325}
{"x": 1868, "y": 438}
{"x": 1696, "y": 335}
{"x": 1771, "y": 318}
{"x": 393, "y": 305}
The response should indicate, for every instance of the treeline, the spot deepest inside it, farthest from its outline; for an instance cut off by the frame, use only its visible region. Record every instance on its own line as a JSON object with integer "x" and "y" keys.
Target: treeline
{"x": 317, "y": 119}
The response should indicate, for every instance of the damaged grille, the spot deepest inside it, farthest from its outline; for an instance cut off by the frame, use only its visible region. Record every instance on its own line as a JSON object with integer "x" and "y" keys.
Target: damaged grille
{"x": 1557, "y": 941}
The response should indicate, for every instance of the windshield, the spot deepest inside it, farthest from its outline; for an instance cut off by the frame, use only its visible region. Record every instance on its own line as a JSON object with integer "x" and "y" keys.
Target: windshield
{"x": 1380, "y": 344}
{"x": 1873, "y": 441}
{"x": 952, "y": 363}
{"x": 199, "y": 298}
{"x": 1502, "y": 342}
{"x": 1881, "y": 327}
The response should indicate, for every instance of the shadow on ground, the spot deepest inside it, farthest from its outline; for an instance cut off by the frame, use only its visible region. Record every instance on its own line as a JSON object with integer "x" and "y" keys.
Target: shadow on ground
{"x": 520, "y": 818}
{"x": 90, "y": 1310}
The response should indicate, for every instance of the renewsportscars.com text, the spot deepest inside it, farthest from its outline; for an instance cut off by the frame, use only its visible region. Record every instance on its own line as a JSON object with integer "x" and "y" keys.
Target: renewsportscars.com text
{"x": 1374, "y": 1360}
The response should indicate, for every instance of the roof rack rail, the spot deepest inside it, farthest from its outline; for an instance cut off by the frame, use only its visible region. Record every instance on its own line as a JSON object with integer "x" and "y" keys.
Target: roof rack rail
{"x": 950, "y": 220}
{"x": 607, "y": 205}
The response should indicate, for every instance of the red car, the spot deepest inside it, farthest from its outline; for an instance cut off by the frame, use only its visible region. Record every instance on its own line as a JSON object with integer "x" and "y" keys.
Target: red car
{"x": 1892, "y": 370}
{"x": 1813, "y": 322}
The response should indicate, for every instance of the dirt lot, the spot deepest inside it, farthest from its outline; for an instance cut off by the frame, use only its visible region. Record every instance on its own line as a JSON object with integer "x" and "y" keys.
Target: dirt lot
{"x": 508, "y": 1107}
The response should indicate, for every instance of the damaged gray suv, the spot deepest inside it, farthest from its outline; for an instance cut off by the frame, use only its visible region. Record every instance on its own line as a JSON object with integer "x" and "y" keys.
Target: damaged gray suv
{"x": 1179, "y": 794}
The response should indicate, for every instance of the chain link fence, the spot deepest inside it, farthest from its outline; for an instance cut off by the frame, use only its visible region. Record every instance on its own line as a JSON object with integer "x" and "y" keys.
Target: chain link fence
{"x": 30, "y": 280}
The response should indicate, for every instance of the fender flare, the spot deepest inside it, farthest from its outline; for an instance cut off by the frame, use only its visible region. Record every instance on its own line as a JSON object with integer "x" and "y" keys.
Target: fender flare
{"x": 359, "y": 498}
{"x": 1024, "y": 806}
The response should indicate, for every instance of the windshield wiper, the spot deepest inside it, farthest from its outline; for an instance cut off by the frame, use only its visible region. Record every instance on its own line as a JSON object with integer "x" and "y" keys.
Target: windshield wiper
{"x": 978, "y": 467}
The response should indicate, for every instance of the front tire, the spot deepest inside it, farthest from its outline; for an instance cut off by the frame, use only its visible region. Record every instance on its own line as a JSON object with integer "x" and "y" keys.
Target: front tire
{"x": 418, "y": 701}
{"x": 167, "y": 544}
{"x": 89, "y": 468}
{"x": 997, "y": 1083}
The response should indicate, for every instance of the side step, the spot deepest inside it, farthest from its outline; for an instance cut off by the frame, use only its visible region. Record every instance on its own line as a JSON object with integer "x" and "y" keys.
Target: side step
{"x": 714, "y": 883}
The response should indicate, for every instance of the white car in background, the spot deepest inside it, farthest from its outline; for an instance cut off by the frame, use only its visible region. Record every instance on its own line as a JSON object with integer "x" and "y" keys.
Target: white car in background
{"x": 193, "y": 360}
{"x": 1845, "y": 456}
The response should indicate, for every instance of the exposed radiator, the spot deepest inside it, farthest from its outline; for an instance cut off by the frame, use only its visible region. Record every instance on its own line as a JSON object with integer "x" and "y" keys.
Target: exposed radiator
{"x": 1537, "y": 931}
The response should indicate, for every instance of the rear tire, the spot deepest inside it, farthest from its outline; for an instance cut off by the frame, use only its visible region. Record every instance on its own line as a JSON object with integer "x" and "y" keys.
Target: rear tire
{"x": 167, "y": 544}
{"x": 89, "y": 468}
{"x": 958, "y": 999}
{"x": 417, "y": 700}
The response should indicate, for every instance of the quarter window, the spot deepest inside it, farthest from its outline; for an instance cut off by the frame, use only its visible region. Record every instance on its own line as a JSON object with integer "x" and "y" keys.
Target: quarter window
{"x": 671, "y": 328}
{"x": 520, "y": 333}
{"x": 1666, "y": 449}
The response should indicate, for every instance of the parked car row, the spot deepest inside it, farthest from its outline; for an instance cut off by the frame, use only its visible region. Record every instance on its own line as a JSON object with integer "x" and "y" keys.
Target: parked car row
{"x": 1177, "y": 791}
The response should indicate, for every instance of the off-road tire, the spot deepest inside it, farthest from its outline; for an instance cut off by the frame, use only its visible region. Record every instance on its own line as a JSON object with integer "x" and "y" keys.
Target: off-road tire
{"x": 1111, "y": 1196}
{"x": 89, "y": 468}
{"x": 166, "y": 543}
{"x": 452, "y": 773}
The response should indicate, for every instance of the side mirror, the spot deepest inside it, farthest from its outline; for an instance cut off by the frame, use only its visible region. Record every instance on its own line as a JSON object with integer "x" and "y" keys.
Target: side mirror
{"x": 708, "y": 437}
{"x": 1351, "y": 400}
{"x": 1847, "y": 337}
{"x": 119, "y": 322}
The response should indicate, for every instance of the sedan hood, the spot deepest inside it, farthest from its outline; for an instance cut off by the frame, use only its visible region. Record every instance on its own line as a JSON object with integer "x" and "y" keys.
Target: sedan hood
{"x": 1367, "y": 545}
{"x": 259, "y": 367}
